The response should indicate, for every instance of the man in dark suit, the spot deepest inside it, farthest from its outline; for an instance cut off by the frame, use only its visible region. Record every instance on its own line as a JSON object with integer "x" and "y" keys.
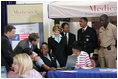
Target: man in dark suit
{"x": 30, "y": 42}
{"x": 87, "y": 36}
{"x": 69, "y": 37}
{"x": 6, "y": 48}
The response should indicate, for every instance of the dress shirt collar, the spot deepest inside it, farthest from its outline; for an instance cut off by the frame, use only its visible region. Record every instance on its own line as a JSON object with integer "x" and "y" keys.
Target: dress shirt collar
{"x": 66, "y": 33}
{"x": 85, "y": 28}
{"x": 53, "y": 36}
{"x": 30, "y": 45}
{"x": 48, "y": 57}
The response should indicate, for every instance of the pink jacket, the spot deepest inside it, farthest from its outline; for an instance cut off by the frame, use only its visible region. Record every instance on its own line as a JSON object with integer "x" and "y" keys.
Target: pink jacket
{"x": 31, "y": 74}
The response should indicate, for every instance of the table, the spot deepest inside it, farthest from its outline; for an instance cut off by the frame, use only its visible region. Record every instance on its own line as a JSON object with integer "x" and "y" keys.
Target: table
{"x": 83, "y": 73}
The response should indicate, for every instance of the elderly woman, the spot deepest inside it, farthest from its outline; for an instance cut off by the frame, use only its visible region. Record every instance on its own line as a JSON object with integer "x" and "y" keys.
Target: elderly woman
{"x": 58, "y": 45}
{"x": 23, "y": 66}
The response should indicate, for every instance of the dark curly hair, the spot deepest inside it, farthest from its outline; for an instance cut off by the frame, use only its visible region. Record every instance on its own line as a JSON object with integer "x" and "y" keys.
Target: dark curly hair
{"x": 77, "y": 46}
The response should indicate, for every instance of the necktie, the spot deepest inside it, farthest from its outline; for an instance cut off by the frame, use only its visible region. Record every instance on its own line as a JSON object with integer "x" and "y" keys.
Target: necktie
{"x": 32, "y": 47}
{"x": 83, "y": 30}
{"x": 65, "y": 34}
{"x": 66, "y": 37}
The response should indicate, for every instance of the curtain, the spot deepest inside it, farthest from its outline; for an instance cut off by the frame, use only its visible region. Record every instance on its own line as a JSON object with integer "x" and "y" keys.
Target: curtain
{"x": 4, "y": 14}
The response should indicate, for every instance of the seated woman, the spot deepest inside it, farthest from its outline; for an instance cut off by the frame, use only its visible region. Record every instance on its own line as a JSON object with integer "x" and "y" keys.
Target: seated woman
{"x": 23, "y": 65}
{"x": 49, "y": 60}
{"x": 83, "y": 59}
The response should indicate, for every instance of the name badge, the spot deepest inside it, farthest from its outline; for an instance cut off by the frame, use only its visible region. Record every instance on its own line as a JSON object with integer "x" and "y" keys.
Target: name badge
{"x": 87, "y": 36}
{"x": 52, "y": 58}
{"x": 87, "y": 39}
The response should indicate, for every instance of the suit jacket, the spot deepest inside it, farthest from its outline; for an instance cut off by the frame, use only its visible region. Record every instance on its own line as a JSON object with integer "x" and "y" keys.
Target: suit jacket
{"x": 58, "y": 49}
{"x": 87, "y": 39}
{"x": 24, "y": 44}
{"x": 71, "y": 39}
{"x": 6, "y": 53}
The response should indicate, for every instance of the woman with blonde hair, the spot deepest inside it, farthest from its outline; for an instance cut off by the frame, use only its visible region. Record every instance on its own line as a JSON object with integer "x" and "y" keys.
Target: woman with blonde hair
{"x": 23, "y": 66}
{"x": 58, "y": 45}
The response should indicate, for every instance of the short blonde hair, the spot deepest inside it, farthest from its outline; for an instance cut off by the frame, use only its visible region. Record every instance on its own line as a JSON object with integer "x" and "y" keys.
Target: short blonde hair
{"x": 25, "y": 63}
{"x": 57, "y": 28}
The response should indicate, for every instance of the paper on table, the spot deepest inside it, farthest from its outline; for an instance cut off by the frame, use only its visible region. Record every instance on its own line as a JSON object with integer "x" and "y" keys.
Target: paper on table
{"x": 69, "y": 71}
{"x": 87, "y": 67}
{"x": 108, "y": 70}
